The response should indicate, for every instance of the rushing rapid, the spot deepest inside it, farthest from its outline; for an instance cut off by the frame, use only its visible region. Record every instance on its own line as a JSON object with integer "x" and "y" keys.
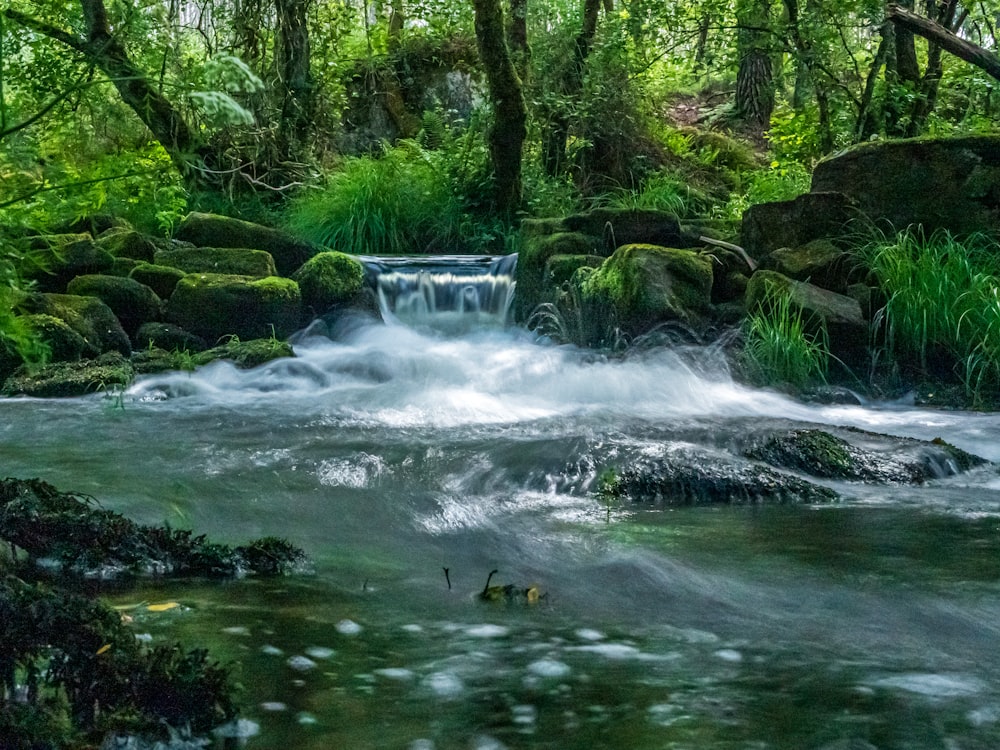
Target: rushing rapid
{"x": 393, "y": 454}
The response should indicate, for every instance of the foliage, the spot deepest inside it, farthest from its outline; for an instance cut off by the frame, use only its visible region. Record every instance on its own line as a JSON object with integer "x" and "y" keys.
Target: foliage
{"x": 779, "y": 346}
{"x": 942, "y": 302}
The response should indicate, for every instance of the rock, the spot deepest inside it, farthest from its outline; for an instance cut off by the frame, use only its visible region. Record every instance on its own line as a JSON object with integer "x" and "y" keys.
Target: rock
{"x": 769, "y": 226}
{"x": 168, "y": 337}
{"x": 65, "y": 344}
{"x": 617, "y": 227}
{"x": 210, "y": 230}
{"x": 217, "y": 305}
{"x": 846, "y": 327}
{"x": 330, "y": 279}
{"x": 536, "y": 250}
{"x": 123, "y": 267}
{"x": 131, "y": 302}
{"x": 56, "y": 259}
{"x": 559, "y": 269}
{"x": 161, "y": 279}
{"x": 227, "y": 260}
{"x": 88, "y": 316}
{"x": 819, "y": 262}
{"x": 688, "y": 477}
{"x": 246, "y": 354}
{"x": 866, "y": 457}
{"x": 66, "y": 379}
{"x": 644, "y": 285}
{"x": 941, "y": 183}
{"x": 127, "y": 243}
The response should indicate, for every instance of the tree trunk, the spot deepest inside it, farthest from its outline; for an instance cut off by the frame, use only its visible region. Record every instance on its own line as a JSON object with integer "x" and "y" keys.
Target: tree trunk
{"x": 755, "y": 75}
{"x": 292, "y": 59}
{"x": 517, "y": 37}
{"x": 867, "y": 123}
{"x": 510, "y": 113}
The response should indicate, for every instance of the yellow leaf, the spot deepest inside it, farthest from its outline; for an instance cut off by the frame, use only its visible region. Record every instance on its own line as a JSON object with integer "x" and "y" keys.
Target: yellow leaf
{"x": 104, "y": 649}
{"x": 532, "y": 595}
{"x": 162, "y": 607}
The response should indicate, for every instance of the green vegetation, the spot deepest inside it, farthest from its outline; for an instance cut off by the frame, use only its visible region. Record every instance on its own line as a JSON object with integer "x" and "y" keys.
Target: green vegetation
{"x": 942, "y": 305}
{"x": 780, "y": 344}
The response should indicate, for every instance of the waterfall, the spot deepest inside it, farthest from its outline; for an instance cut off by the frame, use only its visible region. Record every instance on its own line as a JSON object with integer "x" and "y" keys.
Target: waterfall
{"x": 453, "y": 292}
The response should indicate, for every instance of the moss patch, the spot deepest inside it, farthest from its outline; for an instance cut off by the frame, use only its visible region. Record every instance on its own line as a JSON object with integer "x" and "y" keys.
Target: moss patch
{"x": 65, "y": 379}
{"x": 329, "y": 279}
{"x": 227, "y": 260}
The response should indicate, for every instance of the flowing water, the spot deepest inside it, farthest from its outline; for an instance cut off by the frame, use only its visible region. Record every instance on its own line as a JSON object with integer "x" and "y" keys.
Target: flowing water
{"x": 392, "y": 453}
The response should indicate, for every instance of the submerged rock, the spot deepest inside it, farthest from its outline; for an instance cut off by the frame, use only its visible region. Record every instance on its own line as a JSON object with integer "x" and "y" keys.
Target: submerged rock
{"x": 686, "y": 477}
{"x": 868, "y": 457}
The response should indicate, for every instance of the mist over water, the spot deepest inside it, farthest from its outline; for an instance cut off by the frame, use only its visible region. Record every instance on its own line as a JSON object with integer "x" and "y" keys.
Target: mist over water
{"x": 392, "y": 452}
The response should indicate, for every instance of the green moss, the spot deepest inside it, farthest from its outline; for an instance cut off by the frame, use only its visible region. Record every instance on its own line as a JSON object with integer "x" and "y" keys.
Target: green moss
{"x": 245, "y": 354}
{"x": 536, "y": 250}
{"x": 67, "y": 379}
{"x": 161, "y": 279}
{"x": 131, "y": 302}
{"x": 329, "y": 279}
{"x": 227, "y": 260}
{"x": 88, "y": 316}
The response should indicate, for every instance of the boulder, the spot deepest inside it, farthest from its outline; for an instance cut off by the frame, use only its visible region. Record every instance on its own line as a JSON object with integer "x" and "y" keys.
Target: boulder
{"x": 226, "y": 260}
{"x": 538, "y": 245}
{"x": 820, "y": 262}
{"x": 65, "y": 379}
{"x": 65, "y": 344}
{"x": 131, "y": 302}
{"x": 617, "y": 227}
{"x": 940, "y": 183}
{"x": 168, "y": 337}
{"x": 559, "y": 269}
{"x": 330, "y": 279}
{"x": 692, "y": 477}
{"x": 210, "y": 230}
{"x": 127, "y": 243}
{"x": 846, "y": 327}
{"x": 855, "y": 455}
{"x": 88, "y": 316}
{"x": 246, "y": 354}
{"x": 644, "y": 285}
{"x": 55, "y": 259}
{"x": 217, "y": 305}
{"x": 161, "y": 279}
{"x": 769, "y": 226}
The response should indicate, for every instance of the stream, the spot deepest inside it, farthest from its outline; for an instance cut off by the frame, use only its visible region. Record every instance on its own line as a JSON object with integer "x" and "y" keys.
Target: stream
{"x": 391, "y": 453}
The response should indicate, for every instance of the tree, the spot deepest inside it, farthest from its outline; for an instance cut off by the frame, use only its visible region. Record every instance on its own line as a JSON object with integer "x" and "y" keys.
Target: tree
{"x": 510, "y": 114}
{"x": 755, "y": 74}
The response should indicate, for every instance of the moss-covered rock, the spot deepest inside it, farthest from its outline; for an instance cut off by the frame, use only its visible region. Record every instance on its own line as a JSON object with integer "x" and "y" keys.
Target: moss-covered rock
{"x": 246, "y": 354}
{"x": 328, "y": 280}
{"x": 131, "y": 302}
{"x": 217, "y": 305}
{"x": 693, "y": 478}
{"x": 940, "y": 183}
{"x": 617, "y": 227}
{"x": 234, "y": 261}
{"x": 868, "y": 457}
{"x": 820, "y": 262}
{"x": 169, "y": 337}
{"x": 88, "y": 316}
{"x": 127, "y": 243}
{"x": 559, "y": 269}
{"x": 769, "y": 226}
{"x": 65, "y": 379}
{"x": 645, "y": 285}
{"x": 536, "y": 250}
{"x": 123, "y": 267}
{"x": 211, "y": 230}
{"x": 161, "y": 279}
{"x": 65, "y": 344}
{"x": 56, "y": 259}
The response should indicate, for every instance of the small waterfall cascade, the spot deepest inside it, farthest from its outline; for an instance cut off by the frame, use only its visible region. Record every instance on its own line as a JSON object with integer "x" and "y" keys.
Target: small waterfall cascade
{"x": 451, "y": 292}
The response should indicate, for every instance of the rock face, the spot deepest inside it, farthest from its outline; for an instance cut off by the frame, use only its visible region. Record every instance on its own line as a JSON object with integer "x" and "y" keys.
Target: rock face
{"x": 644, "y": 285}
{"x": 941, "y": 183}
{"x": 213, "y": 306}
{"x": 209, "y": 230}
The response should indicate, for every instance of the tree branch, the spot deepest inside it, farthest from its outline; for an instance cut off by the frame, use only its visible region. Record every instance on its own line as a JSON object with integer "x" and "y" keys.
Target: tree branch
{"x": 971, "y": 53}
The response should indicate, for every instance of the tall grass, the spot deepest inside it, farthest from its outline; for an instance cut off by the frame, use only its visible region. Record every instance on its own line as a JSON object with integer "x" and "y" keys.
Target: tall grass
{"x": 781, "y": 347}
{"x": 399, "y": 202}
{"x": 942, "y": 303}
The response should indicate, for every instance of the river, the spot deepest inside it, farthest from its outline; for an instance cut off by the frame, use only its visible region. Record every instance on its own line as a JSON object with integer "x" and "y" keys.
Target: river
{"x": 391, "y": 453}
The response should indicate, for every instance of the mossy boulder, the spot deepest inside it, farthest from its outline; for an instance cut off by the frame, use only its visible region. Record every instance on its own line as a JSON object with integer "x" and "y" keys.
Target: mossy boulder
{"x": 123, "y": 267}
{"x": 330, "y": 279}
{"x": 940, "y": 183}
{"x": 559, "y": 269}
{"x": 127, "y": 243}
{"x": 246, "y": 354}
{"x": 168, "y": 337}
{"x": 228, "y": 260}
{"x": 216, "y": 305}
{"x": 56, "y": 259}
{"x": 131, "y": 302}
{"x": 691, "y": 477}
{"x": 769, "y": 226}
{"x": 161, "y": 279}
{"x": 860, "y": 456}
{"x": 88, "y": 316}
{"x": 211, "y": 230}
{"x": 644, "y": 285}
{"x": 536, "y": 250}
{"x": 841, "y": 315}
{"x": 617, "y": 227}
{"x": 65, "y": 379}
{"x": 65, "y": 344}
{"x": 820, "y": 262}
